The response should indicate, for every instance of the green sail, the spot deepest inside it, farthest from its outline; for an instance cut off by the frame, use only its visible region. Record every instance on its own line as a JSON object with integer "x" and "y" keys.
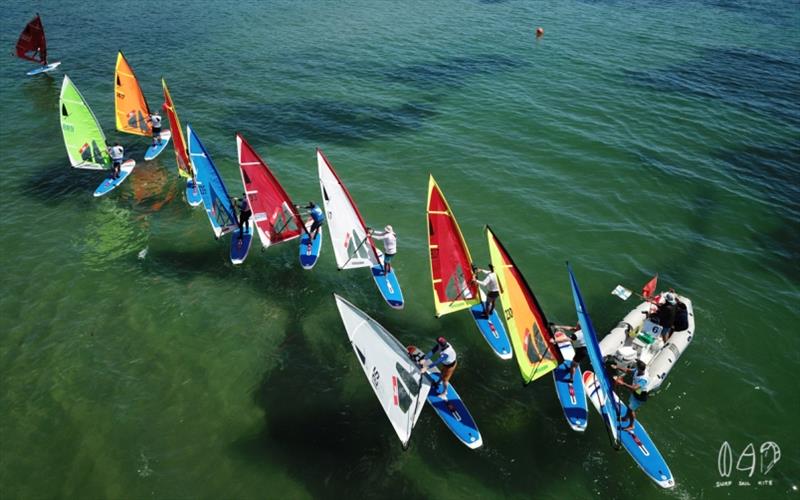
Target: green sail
{"x": 83, "y": 137}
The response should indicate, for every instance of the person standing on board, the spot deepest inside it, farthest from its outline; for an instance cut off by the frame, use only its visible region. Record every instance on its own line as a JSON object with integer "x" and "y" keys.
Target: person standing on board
{"x": 117, "y": 152}
{"x": 575, "y": 335}
{"x": 318, "y": 216}
{"x": 491, "y": 287}
{"x": 389, "y": 245}
{"x": 244, "y": 214}
{"x": 442, "y": 354}
{"x": 155, "y": 121}
{"x": 638, "y": 394}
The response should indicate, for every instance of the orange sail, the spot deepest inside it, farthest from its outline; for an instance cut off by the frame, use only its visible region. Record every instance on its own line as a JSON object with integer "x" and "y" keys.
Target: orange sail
{"x": 132, "y": 111}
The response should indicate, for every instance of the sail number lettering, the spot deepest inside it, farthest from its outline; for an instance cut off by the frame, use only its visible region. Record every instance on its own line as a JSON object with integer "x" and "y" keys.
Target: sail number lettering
{"x": 376, "y": 376}
{"x": 509, "y": 313}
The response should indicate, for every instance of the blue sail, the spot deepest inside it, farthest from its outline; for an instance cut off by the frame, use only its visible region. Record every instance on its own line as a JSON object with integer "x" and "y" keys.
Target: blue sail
{"x": 219, "y": 207}
{"x": 610, "y": 414}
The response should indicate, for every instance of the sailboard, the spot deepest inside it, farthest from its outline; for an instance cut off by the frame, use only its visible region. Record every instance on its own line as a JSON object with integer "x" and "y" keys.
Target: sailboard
{"x": 32, "y": 46}
{"x": 111, "y": 183}
{"x": 310, "y": 248}
{"x": 636, "y": 441}
{"x": 352, "y": 245}
{"x": 185, "y": 169}
{"x": 569, "y": 388}
{"x": 240, "y": 243}
{"x": 130, "y": 107}
{"x": 275, "y": 216}
{"x": 216, "y": 199}
{"x": 533, "y": 344}
{"x": 608, "y": 410}
{"x": 451, "y": 272}
{"x": 450, "y": 407}
{"x": 396, "y": 380}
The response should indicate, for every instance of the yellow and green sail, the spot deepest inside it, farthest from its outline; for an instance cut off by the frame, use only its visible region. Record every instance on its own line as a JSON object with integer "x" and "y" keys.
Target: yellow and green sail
{"x": 83, "y": 137}
{"x": 534, "y": 349}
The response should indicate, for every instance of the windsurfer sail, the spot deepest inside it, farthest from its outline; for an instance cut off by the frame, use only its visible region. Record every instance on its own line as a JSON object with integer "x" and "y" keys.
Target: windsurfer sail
{"x": 219, "y": 207}
{"x": 83, "y": 137}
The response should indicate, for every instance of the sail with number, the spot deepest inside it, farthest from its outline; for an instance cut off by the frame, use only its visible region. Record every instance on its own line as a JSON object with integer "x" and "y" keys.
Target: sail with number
{"x": 451, "y": 264}
{"x": 352, "y": 245}
{"x": 609, "y": 409}
{"x": 32, "y": 45}
{"x": 83, "y": 137}
{"x": 275, "y": 217}
{"x": 179, "y": 141}
{"x": 534, "y": 349}
{"x": 216, "y": 199}
{"x": 396, "y": 380}
{"x": 132, "y": 111}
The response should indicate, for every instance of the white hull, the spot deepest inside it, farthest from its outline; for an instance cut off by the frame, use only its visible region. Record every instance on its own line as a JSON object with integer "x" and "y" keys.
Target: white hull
{"x": 660, "y": 357}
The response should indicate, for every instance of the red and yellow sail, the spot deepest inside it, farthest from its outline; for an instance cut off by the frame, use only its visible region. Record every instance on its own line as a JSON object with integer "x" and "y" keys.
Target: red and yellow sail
{"x": 534, "y": 349}
{"x": 451, "y": 264}
{"x": 132, "y": 111}
{"x": 178, "y": 140}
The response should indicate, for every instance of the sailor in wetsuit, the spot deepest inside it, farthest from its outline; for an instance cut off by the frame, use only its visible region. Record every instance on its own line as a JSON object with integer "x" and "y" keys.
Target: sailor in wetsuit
{"x": 244, "y": 215}
{"x": 442, "y": 354}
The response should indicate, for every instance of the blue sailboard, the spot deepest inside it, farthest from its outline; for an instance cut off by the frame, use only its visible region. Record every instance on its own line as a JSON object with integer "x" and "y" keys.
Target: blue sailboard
{"x": 309, "y": 250}
{"x": 193, "y": 197}
{"x": 492, "y": 329}
{"x": 156, "y": 149}
{"x": 109, "y": 184}
{"x": 570, "y": 391}
{"x": 240, "y": 243}
{"x": 388, "y": 285}
{"x": 450, "y": 407}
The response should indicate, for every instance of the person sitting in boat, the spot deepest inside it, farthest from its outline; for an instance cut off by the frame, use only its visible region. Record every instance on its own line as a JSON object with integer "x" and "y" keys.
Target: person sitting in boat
{"x": 637, "y": 388}
{"x": 244, "y": 214}
{"x": 318, "y": 216}
{"x": 155, "y": 121}
{"x": 442, "y": 354}
{"x": 389, "y": 245}
{"x": 669, "y": 316}
{"x": 575, "y": 336}
{"x": 117, "y": 153}
{"x": 490, "y": 285}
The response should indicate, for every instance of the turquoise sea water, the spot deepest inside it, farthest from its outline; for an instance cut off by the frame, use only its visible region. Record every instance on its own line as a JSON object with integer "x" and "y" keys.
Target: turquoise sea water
{"x": 633, "y": 138}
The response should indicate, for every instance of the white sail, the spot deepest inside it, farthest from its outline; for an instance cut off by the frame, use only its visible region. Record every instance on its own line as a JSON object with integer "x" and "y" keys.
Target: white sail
{"x": 397, "y": 381}
{"x": 345, "y": 225}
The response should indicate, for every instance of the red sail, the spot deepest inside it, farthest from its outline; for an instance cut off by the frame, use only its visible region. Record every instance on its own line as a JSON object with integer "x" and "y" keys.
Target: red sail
{"x": 275, "y": 216}
{"x": 31, "y": 44}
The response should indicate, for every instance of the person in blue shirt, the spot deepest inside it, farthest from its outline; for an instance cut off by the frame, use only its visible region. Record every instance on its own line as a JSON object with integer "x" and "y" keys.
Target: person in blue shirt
{"x": 318, "y": 216}
{"x": 442, "y": 354}
{"x": 637, "y": 388}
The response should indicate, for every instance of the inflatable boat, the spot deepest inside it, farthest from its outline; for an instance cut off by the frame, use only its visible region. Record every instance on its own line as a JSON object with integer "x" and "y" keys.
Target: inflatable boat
{"x": 639, "y": 336}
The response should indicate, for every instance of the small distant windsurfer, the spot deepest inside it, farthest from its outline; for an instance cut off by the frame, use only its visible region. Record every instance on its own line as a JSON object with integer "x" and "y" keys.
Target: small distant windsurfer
{"x": 389, "y": 245}
{"x": 116, "y": 152}
{"x": 442, "y": 354}
{"x": 490, "y": 285}
{"x": 155, "y": 121}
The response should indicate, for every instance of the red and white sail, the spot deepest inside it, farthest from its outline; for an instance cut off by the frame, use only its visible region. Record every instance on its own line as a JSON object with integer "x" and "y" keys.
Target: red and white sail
{"x": 274, "y": 215}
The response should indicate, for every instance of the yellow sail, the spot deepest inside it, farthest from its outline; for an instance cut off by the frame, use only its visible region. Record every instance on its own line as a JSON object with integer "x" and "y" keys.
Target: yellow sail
{"x": 131, "y": 108}
{"x": 530, "y": 335}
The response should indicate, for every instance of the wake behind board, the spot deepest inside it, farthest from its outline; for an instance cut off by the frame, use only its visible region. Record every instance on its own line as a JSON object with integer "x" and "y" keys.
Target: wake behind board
{"x": 110, "y": 183}
{"x": 492, "y": 329}
{"x": 310, "y": 250}
{"x": 450, "y": 407}
{"x": 240, "y": 243}
{"x": 44, "y": 69}
{"x": 572, "y": 396}
{"x": 156, "y": 149}
{"x": 193, "y": 196}
{"x": 635, "y": 441}
{"x": 388, "y": 285}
